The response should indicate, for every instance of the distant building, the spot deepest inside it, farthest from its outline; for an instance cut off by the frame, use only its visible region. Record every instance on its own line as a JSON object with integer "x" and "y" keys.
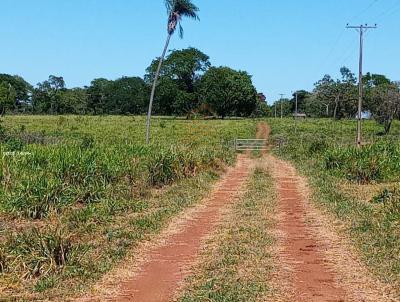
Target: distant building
{"x": 299, "y": 115}
{"x": 365, "y": 115}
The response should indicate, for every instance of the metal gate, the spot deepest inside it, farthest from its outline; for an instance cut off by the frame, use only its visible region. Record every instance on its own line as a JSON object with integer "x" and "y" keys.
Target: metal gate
{"x": 250, "y": 144}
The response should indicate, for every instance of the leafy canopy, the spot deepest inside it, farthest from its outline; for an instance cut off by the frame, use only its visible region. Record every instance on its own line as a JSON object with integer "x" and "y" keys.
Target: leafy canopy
{"x": 228, "y": 92}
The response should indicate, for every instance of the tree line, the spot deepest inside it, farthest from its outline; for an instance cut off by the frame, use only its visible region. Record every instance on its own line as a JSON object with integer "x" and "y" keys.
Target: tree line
{"x": 338, "y": 98}
{"x": 188, "y": 85}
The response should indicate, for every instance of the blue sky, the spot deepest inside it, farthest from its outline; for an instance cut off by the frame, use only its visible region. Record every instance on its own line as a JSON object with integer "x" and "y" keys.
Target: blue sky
{"x": 286, "y": 45}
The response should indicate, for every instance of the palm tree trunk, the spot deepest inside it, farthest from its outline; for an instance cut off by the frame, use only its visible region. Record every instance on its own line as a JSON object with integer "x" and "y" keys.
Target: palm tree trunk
{"x": 153, "y": 89}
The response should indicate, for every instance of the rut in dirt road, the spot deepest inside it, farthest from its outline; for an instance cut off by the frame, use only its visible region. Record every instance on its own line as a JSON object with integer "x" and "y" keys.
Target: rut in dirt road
{"x": 166, "y": 266}
{"x": 314, "y": 281}
{"x": 319, "y": 264}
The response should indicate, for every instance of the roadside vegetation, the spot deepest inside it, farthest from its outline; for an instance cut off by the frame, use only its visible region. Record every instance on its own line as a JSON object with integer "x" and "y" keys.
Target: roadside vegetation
{"x": 78, "y": 192}
{"x": 237, "y": 261}
{"x": 360, "y": 187}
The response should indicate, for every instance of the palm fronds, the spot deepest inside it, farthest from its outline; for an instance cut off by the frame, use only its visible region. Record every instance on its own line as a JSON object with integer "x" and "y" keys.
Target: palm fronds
{"x": 176, "y": 10}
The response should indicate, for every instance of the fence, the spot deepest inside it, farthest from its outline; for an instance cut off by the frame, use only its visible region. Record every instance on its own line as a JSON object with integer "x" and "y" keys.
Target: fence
{"x": 250, "y": 144}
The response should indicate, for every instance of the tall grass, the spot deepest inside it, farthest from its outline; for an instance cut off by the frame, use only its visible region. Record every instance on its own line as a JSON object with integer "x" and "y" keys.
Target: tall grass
{"x": 376, "y": 162}
{"x": 100, "y": 180}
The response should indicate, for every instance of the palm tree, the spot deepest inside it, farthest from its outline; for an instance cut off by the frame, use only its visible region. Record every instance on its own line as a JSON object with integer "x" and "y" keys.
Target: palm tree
{"x": 177, "y": 9}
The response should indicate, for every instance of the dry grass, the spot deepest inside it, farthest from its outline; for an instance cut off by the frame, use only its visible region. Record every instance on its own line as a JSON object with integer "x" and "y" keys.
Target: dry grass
{"x": 363, "y": 193}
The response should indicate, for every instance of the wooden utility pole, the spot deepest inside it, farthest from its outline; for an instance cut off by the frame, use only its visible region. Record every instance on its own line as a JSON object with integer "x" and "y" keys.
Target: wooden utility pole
{"x": 295, "y": 113}
{"x": 361, "y": 29}
{"x": 281, "y": 104}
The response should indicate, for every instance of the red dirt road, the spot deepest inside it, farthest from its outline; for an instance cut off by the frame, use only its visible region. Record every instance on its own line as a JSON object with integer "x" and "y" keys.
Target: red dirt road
{"x": 167, "y": 265}
{"x": 316, "y": 263}
{"x": 313, "y": 279}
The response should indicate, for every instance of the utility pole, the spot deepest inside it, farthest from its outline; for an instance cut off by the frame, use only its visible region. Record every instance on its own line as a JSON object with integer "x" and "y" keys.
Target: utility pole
{"x": 361, "y": 29}
{"x": 295, "y": 113}
{"x": 281, "y": 105}
{"x": 275, "y": 109}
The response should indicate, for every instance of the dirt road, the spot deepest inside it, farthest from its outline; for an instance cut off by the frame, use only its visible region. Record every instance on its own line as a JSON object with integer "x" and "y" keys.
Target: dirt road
{"x": 167, "y": 265}
{"x": 318, "y": 263}
{"x": 313, "y": 263}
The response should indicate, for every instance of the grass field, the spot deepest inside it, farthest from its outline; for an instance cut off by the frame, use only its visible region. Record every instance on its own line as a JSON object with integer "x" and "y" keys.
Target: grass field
{"x": 361, "y": 188}
{"x": 78, "y": 192}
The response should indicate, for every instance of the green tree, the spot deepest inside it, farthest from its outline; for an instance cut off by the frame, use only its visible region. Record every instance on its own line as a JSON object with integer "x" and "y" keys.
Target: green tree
{"x": 46, "y": 97}
{"x": 386, "y": 104}
{"x": 97, "y": 95}
{"x": 186, "y": 66}
{"x": 122, "y": 96}
{"x": 22, "y": 89}
{"x": 126, "y": 95}
{"x": 302, "y": 95}
{"x": 336, "y": 96}
{"x": 317, "y": 107}
{"x": 165, "y": 100}
{"x": 179, "y": 76}
{"x": 228, "y": 92}
{"x": 326, "y": 98}
{"x": 370, "y": 82}
{"x": 177, "y": 9}
{"x": 262, "y": 110}
{"x": 8, "y": 96}
{"x": 73, "y": 101}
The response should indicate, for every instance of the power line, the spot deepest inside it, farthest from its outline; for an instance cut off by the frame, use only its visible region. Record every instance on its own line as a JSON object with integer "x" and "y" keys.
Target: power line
{"x": 330, "y": 52}
{"x": 349, "y": 52}
{"x": 365, "y": 9}
{"x": 345, "y": 56}
{"x": 388, "y": 12}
